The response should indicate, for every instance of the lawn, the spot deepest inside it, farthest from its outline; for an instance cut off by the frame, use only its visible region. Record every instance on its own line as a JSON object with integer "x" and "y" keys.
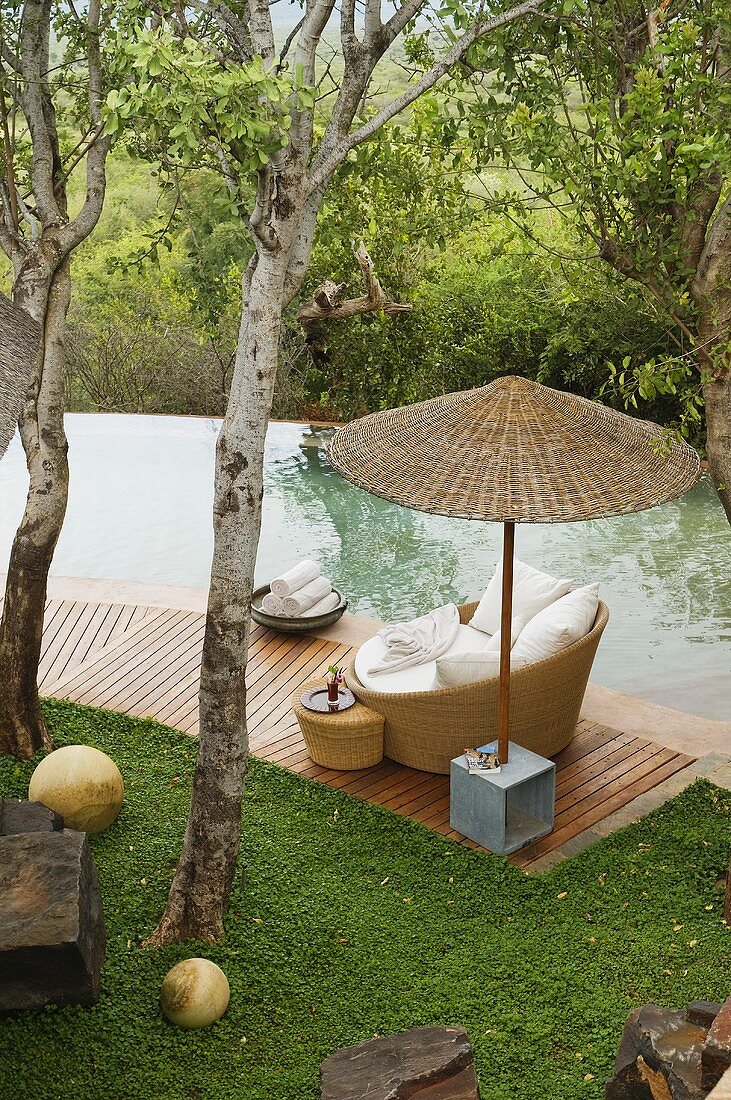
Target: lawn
{"x": 349, "y": 922}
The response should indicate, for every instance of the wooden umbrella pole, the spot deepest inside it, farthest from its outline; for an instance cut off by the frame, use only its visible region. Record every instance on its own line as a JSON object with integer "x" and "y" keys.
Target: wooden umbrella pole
{"x": 506, "y": 618}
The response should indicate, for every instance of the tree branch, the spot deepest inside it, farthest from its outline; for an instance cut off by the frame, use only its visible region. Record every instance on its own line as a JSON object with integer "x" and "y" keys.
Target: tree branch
{"x": 260, "y": 29}
{"x": 328, "y": 160}
{"x": 328, "y": 303}
{"x": 34, "y": 51}
{"x": 98, "y": 147}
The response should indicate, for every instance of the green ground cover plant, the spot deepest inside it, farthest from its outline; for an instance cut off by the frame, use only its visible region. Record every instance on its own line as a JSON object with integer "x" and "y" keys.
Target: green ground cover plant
{"x": 348, "y": 921}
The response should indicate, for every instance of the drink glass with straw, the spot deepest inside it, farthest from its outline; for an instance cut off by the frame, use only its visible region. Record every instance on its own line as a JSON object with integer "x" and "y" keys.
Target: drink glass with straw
{"x": 334, "y": 678}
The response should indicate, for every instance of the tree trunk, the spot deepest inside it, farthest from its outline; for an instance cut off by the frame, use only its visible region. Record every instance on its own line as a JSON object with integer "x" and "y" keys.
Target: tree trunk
{"x": 711, "y": 291}
{"x": 200, "y": 889}
{"x": 717, "y": 396}
{"x": 19, "y": 342}
{"x": 714, "y": 336}
{"x": 22, "y": 726}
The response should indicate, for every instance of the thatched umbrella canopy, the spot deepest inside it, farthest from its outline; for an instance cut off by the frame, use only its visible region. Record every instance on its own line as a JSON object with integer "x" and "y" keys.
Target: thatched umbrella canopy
{"x": 19, "y": 341}
{"x": 514, "y": 452}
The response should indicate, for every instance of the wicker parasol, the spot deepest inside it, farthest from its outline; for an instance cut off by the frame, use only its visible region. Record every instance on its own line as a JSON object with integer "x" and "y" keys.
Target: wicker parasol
{"x": 513, "y": 452}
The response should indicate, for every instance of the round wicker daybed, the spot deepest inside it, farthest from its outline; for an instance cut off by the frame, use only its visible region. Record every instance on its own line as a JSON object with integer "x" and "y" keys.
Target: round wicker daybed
{"x": 426, "y": 729}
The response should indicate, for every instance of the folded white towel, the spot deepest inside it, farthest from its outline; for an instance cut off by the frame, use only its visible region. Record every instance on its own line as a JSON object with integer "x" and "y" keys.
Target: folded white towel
{"x": 295, "y": 578}
{"x": 419, "y": 641}
{"x": 328, "y": 604}
{"x": 272, "y": 604}
{"x": 305, "y": 598}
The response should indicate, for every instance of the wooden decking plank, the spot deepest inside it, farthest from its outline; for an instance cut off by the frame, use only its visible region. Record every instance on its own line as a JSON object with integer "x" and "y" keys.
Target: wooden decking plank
{"x": 158, "y": 664}
{"x": 433, "y": 816}
{"x": 576, "y": 749}
{"x": 122, "y": 656}
{"x": 96, "y": 637}
{"x": 283, "y": 666}
{"x": 596, "y": 789}
{"x": 110, "y": 661}
{"x": 612, "y": 793}
{"x": 301, "y": 668}
{"x": 98, "y": 681}
{"x": 74, "y": 641}
{"x": 406, "y": 776}
{"x": 300, "y": 671}
{"x": 596, "y": 771}
{"x": 595, "y": 758}
{"x": 357, "y": 782}
{"x": 128, "y": 620}
{"x": 417, "y": 797}
{"x": 63, "y": 616}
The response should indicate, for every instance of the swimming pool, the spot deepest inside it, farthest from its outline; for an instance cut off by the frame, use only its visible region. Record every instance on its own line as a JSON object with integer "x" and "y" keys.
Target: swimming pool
{"x": 140, "y": 509}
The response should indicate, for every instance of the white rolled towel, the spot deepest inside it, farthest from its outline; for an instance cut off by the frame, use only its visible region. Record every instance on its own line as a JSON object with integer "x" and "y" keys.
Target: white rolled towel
{"x": 272, "y": 604}
{"x": 295, "y": 579}
{"x": 328, "y": 604}
{"x": 307, "y": 597}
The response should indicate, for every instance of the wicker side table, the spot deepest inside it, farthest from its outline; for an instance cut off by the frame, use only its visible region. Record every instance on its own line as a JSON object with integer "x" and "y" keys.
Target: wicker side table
{"x": 346, "y": 740}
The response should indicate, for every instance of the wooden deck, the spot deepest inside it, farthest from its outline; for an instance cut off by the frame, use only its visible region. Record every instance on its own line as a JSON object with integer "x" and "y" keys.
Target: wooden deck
{"x": 145, "y": 661}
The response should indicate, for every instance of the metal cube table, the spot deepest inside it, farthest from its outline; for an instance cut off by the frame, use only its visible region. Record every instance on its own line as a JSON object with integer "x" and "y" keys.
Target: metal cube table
{"x": 504, "y": 810}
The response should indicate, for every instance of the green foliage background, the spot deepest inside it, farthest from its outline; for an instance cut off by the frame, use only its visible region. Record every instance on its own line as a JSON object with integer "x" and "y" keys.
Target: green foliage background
{"x": 162, "y": 275}
{"x": 348, "y": 921}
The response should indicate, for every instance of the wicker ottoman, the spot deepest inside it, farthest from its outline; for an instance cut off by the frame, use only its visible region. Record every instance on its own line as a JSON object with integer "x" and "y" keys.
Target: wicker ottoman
{"x": 346, "y": 740}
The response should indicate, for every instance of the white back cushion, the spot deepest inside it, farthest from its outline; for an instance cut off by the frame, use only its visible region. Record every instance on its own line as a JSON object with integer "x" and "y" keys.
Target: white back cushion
{"x": 532, "y": 591}
{"x": 458, "y": 669}
{"x": 516, "y": 625}
{"x": 559, "y": 625}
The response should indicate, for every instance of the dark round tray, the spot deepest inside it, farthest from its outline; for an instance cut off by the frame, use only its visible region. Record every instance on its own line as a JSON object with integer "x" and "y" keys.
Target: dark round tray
{"x": 316, "y": 699}
{"x": 294, "y": 626}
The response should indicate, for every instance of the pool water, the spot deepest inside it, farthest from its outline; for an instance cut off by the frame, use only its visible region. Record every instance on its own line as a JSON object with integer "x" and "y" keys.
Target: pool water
{"x": 140, "y": 509}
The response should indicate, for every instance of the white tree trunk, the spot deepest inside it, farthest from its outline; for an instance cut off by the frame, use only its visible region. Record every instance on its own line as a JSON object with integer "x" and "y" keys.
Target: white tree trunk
{"x": 19, "y": 343}
{"x": 22, "y": 726}
{"x": 200, "y": 889}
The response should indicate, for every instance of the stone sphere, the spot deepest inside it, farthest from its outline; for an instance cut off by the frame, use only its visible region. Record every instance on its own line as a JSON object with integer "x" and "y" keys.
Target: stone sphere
{"x": 82, "y": 784}
{"x": 195, "y": 993}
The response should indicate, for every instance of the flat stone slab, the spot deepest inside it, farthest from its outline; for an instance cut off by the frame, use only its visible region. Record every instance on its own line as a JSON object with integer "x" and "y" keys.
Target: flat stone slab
{"x": 717, "y": 1051}
{"x": 432, "y": 1063}
{"x": 51, "y": 921}
{"x": 18, "y": 816}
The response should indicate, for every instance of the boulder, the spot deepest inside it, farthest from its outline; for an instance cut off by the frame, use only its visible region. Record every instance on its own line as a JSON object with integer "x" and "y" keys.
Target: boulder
{"x": 431, "y": 1063}
{"x": 717, "y": 1051}
{"x": 51, "y": 921}
{"x": 702, "y": 1013}
{"x": 195, "y": 993}
{"x": 27, "y": 817}
{"x": 658, "y": 1043}
{"x": 81, "y": 783}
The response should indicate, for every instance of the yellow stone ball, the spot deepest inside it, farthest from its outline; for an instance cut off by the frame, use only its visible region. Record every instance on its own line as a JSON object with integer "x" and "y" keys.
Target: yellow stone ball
{"x": 82, "y": 784}
{"x": 195, "y": 993}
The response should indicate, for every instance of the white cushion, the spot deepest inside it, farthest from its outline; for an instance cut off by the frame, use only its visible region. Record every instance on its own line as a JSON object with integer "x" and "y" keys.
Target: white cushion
{"x": 458, "y": 669}
{"x": 559, "y": 625}
{"x": 418, "y": 678}
{"x": 532, "y": 591}
{"x": 516, "y": 625}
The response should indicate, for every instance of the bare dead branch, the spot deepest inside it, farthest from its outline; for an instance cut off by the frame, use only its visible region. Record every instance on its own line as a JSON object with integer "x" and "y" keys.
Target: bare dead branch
{"x": 329, "y": 304}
